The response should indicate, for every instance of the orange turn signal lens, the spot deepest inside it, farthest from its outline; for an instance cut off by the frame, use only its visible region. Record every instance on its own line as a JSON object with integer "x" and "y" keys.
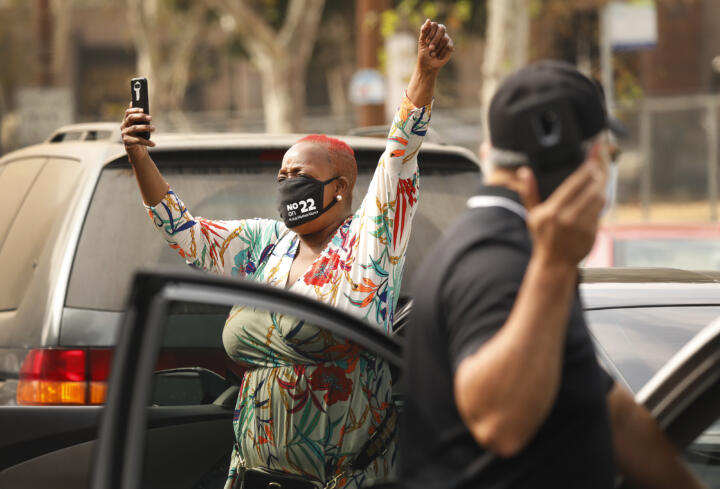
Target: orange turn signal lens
{"x": 98, "y": 392}
{"x": 43, "y": 392}
{"x": 59, "y": 376}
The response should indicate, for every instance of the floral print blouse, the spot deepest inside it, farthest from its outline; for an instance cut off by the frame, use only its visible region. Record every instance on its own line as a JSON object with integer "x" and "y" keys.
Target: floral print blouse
{"x": 309, "y": 401}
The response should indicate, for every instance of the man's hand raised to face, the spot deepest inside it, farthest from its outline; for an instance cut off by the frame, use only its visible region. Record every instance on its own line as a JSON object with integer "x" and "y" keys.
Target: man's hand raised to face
{"x": 563, "y": 227}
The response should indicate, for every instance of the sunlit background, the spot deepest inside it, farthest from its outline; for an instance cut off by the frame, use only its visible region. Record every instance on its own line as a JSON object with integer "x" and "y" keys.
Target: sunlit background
{"x": 333, "y": 66}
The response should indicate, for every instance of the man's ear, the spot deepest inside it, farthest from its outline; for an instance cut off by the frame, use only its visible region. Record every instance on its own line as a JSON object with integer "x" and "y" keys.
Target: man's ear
{"x": 528, "y": 187}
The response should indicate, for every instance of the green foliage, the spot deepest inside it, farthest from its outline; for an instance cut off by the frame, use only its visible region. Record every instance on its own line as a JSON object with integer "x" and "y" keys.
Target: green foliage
{"x": 382, "y": 59}
{"x": 179, "y": 5}
{"x": 429, "y": 10}
{"x": 535, "y": 8}
{"x": 237, "y": 49}
{"x": 389, "y": 22}
{"x": 272, "y": 10}
{"x": 462, "y": 17}
{"x": 627, "y": 83}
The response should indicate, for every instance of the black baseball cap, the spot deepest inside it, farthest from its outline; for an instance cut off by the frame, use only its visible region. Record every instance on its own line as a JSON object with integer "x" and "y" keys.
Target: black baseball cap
{"x": 542, "y": 83}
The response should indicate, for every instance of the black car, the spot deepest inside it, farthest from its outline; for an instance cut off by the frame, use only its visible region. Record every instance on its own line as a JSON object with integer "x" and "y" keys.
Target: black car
{"x": 172, "y": 428}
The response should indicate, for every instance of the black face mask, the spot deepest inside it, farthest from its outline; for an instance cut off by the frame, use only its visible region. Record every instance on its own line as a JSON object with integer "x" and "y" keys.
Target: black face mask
{"x": 299, "y": 198}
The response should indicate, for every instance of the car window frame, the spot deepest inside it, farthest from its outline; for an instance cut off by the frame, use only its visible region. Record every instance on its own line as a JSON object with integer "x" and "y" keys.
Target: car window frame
{"x": 608, "y": 361}
{"x": 69, "y": 176}
{"x": 679, "y": 394}
{"x": 122, "y": 434}
{"x": 686, "y": 383}
{"x": 689, "y": 381}
{"x": 437, "y": 160}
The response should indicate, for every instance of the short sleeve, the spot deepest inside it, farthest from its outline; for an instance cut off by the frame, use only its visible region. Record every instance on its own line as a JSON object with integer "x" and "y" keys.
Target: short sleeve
{"x": 479, "y": 295}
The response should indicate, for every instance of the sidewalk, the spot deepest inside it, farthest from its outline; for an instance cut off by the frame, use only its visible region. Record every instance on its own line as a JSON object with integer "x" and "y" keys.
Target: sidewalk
{"x": 668, "y": 212}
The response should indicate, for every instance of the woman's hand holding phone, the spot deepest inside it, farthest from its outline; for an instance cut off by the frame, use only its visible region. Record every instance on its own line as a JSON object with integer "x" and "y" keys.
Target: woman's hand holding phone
{"x": 136, "y": 128}
{"x": 135, "y": 122}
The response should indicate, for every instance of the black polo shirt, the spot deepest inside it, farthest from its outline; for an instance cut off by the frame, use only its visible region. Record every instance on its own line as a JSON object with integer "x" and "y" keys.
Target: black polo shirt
{"x": 463, "y": 295}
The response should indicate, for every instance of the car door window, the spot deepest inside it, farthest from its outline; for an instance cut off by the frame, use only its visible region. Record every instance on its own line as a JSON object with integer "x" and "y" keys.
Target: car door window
{"x": 118, "y": 237}
{"x": 15, "y": 180}
{"x": 308, "y": 398}
{"x": 297, "y": 383}
{"x": 30, "y": 229}
{"x": 638, "y": 341}
{"x": 703, "y": 456}
{"x": 192, "y": 366}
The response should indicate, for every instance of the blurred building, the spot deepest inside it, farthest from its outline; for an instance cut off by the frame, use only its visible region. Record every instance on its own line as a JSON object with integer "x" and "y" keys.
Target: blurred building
{"x": 667, "y": 94}
{"x": 93, "y": 57}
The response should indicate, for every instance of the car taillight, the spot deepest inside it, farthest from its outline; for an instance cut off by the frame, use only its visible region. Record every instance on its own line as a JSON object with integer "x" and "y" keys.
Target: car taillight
{"x": 57, "y": 376}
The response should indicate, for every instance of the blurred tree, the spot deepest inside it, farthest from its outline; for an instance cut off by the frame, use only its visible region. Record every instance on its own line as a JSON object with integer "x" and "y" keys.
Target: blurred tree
{"x": 279, "y": 42}
{"x": 459, "y": 81}
{"x": 566, "y": 30}
{"x": 18, "y": 48}
{"x": 506, "y": 44}
{"x": 166, "y": 34}
{"x": 335, "y": 54}
{"x": 571, "y": 31}
{"x": 62, "y": 12}
{"x": 462, "y": 17}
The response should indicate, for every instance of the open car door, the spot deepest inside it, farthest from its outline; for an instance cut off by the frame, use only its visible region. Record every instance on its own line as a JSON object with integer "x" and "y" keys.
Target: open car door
{"x": 183, "y": 442}
{"x": 684, "y": 397}
{"x": 146, "y": 445}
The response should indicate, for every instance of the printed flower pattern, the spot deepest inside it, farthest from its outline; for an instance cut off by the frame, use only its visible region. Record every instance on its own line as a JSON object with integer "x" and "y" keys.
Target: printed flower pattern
{"x": 309, "y": 400}
{"x": 333, "y": 380}
{"x": 321, "y": 270}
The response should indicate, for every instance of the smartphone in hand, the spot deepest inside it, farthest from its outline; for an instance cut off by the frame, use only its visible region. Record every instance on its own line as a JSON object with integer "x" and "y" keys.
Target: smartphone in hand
{"x": 139, "y": 97}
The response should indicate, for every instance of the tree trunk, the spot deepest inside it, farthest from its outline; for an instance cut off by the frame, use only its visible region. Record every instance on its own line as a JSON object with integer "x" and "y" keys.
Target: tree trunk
{"x": 141, "y": 26}
{"x": 180, "y": 60}
{"x": 62, "y": 13}
{"x": 283, "y": 93}
{"x": 165, "y": 43}
{"x": 506, "y": 48}
{"x": 335, "y": 52}
{"x": 281, "y": 56}
{"x": 337, "y": 81}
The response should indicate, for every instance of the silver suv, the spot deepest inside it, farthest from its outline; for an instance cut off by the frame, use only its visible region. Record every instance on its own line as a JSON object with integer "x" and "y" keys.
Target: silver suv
{"x": 73, "y": 231}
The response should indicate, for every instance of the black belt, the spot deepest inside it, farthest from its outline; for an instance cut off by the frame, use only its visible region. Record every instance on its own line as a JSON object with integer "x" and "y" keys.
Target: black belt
{"x": 261, "y": 478}
{"x": 378, "y": 442}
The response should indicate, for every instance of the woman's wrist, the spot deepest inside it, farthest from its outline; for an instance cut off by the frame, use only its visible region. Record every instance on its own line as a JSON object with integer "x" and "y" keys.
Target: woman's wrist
{"x": 422, "y": 86}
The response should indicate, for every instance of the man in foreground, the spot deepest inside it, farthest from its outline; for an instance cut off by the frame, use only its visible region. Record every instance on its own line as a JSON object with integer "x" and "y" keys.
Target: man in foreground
{"x": 503, "y": 387}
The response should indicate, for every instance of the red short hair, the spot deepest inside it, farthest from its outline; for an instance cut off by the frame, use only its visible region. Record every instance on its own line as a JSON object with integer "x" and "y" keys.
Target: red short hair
{"x": 340, "y": 153}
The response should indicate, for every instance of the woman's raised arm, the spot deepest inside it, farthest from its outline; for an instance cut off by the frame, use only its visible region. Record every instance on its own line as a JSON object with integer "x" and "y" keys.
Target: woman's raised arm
{"x": 211, "y": 245}
{"x": 392, "y": 197}
{"x": 153, "y": 186}
{"x": 434, "y": 50}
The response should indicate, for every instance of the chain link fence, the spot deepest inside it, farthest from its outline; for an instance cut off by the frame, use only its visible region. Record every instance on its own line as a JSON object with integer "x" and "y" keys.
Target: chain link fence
{"x": 671, "y": 157}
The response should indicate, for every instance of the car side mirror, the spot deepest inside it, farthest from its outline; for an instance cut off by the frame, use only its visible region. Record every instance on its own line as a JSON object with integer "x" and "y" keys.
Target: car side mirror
{"x": 186, "y": 386}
